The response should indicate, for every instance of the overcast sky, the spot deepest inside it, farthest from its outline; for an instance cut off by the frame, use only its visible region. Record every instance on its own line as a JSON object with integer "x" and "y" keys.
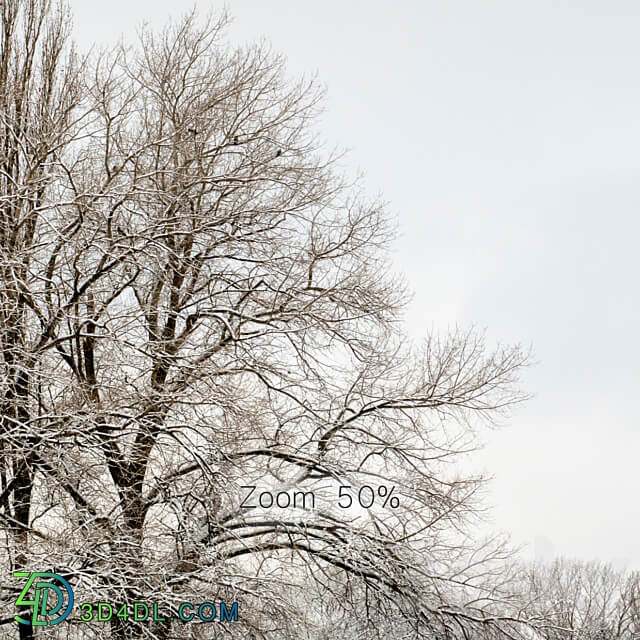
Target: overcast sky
{"x": 506, "y": 138}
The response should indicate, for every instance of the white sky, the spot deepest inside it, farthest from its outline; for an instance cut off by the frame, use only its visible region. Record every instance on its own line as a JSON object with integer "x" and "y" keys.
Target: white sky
{"x": 506, "y": 137}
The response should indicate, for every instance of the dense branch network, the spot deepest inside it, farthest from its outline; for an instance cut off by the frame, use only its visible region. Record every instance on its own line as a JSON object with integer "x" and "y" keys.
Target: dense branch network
{"x": 193, "y": 300}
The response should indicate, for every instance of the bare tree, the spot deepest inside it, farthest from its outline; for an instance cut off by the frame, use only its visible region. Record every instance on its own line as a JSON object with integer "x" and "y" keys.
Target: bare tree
{"x": 566, "y": 600}
{"x": 39, "y": 92}
{"x": 207, "y": 392}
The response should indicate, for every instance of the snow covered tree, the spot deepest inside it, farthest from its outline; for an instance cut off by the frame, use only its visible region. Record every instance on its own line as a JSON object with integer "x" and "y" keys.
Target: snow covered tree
{"x": 570, "y": 599}
{"x": 207, "y": 394}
